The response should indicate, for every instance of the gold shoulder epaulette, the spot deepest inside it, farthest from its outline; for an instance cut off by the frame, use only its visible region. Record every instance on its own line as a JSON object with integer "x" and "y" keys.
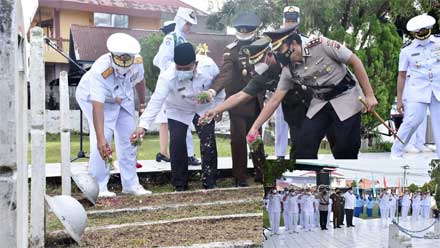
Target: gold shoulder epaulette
{"x": 107, "y": 73}
{"x": 138, "y": 59}
{"x": 314, "y": 42}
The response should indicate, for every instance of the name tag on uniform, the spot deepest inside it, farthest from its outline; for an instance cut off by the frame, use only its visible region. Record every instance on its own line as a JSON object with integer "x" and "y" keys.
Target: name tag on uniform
{"x": 415, "y": 54}
{"x": 180, "y": 89}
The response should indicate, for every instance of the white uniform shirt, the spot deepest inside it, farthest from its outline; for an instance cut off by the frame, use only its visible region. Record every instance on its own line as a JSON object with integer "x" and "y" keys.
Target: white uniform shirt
{"x": 292, "y": 204}
{"x": 165, "y": 56}
{"x": 274, "y": 203}
{"x": 416, "y": 201}
{"x": 422, "y": 65}
{"x": 308, "y": 203}
{"x": 95, "y": 87}
{"x": 180, "y": 96}
{"x": 383, "y": 203}
{"x": 406, "y": 201}
{"x": 426, "y": 202}
{"x": 350, "y": 200}
{"x": 392, "y": 201}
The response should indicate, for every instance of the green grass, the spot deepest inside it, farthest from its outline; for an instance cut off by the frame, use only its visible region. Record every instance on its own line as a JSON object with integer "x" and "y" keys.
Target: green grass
{"x": 148, "y": 150}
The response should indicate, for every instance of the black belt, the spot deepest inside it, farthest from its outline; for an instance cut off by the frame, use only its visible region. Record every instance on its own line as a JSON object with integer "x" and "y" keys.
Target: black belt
{"x": 345, "y": 84}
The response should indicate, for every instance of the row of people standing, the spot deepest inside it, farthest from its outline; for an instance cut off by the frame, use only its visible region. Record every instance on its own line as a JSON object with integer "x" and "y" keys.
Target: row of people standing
{"x": 305, "y": 210}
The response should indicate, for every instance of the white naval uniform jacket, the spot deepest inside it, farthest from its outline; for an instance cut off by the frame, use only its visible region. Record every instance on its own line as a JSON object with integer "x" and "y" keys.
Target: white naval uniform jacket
{"x": 103, "y": 84}
{"x": 274, "y": 203}
{"x": 406, "y": 201}
{"x": 422, "y": 65}
{"x": 181, "y": 96}
{"x": 165, "y": 56}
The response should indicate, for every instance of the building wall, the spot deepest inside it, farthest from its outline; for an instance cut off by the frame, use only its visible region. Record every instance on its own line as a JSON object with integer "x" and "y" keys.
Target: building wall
{"x": 135, "y": 22}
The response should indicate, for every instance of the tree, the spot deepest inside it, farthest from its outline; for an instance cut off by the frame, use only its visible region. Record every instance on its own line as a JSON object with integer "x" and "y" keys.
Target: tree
{"x": 435, "y": 179}
{"x": 373, "y": 29}
{"x": 149, "y": 47}
{"x": 413, "y": 188}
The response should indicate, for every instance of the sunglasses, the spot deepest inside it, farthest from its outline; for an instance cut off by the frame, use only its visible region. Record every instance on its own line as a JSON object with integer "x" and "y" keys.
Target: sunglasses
{"x": 123, "y": 60}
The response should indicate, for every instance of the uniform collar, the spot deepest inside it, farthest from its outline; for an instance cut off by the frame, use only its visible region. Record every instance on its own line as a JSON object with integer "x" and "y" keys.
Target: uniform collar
{"x": 417, "y": 42}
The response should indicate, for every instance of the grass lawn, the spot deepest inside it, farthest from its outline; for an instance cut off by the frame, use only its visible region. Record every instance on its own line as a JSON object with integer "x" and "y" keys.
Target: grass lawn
{"x": 148, "y": 150}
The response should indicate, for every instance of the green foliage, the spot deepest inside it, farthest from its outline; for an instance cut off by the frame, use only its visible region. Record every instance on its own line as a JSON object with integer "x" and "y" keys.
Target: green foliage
{"x": 413, "y": 188}
{"x": 429, "y": 186}
{"x": 435, "y": 178}
{"x": 370, "y": 28}
{"x": 274, "y": 169}
{"x": 150, "y": 46}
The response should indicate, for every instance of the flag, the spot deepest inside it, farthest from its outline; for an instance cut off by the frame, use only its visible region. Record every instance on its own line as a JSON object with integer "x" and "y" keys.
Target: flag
{"x": 398, "y": 186}
{"x": 384, "y": 182}
{"x": 373, "y": 185}
{"x": 357, "y": 185}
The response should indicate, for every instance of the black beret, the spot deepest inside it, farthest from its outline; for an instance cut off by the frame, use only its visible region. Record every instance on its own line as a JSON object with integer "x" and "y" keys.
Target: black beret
{"x": 184, "y": 54}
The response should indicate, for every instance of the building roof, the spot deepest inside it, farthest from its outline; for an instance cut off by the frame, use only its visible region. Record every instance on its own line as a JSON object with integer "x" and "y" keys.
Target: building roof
{"x": 89, "y": 42}
{"x": 143, "y": 8}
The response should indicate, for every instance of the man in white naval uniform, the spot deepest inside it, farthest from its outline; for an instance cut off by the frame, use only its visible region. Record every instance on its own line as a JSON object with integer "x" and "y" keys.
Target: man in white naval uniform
{"x": 179, "y": 86}
{"x": 419, "y": 76}
{"x": 416, "y": 206}
{"x": 184, "y": 19}
{"x": 106, "y": 96}
{"x": 392, "y": 206}
{"x": 274, "y": 210}
{"x": 406, "y": 203}
{"x": 426, "y": 205}
{"x": 384, "y": 198}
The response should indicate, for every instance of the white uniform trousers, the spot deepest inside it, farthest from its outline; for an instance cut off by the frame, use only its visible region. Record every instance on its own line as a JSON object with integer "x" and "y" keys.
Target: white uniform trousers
{"x": 274, "y": 218}
{"x": 288, "y": 221}
{"x": 162, "y": 118}
{"x": 120, "y": 123}
{"x": 415, "y": 113}
{"x": 418, "y": 139}
{"x": 415, "y": 212}
{"x": 405, "y": 210}
{"x": 308, "y": 218}
{"x": 281, "y": 133}
{"x": 295, "y": 221}
{"x": 425, "y": 212}
{"x": 384, "y": 215}
{"x": 302, "y": 220}
{"x": 392, "y": 212}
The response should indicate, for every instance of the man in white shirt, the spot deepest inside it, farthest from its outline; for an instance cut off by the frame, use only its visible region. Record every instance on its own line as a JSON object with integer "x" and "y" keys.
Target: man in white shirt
{"x": 426, "y": 205}
{"x": 183, "y": 22}
{"x": 416, "y": 205}
{"x": 180, "y": 86}
{"x": 350, "y": 200}
{"x": 384, "y": 198}
{"x": 105, "y": 94}
{"x": 392, "y": 205}
{"x": 274, "y": 210}
{"x": 308, "y": 203}
{"x": 406, "y": 202}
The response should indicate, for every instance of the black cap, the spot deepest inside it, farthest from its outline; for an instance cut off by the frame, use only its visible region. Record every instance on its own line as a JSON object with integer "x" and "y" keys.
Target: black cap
{"x": 184, "y": 54}
{"x": 168, "y": 28}
{"x": 246, "y": 22}
{"x": 255, "y": 51}
{"x": 279, "y": 35}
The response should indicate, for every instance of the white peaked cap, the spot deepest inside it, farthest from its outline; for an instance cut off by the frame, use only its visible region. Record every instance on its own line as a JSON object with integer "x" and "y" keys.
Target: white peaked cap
{"x": 120, "y": 43}
{"x": 421, "y": 21}
{"x": 188, "y": 15}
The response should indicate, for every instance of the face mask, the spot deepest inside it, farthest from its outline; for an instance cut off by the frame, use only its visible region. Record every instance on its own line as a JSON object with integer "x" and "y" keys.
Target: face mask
{"x": 284, "y": 58}
{"x": 422, "y": 42}
{"x": 274, "y": 191}
{"x": 261, "y": 68}
{"x": 121, "y": 70}
{"x": 184, "y": 75}
{"x": 293, "y": 194}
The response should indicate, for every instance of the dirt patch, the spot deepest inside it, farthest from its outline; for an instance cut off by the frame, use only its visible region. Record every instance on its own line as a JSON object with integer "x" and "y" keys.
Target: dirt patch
{"x": 183, "y": 233}
{"x": 127, "y": 201}
{"x": 166, "y": 214}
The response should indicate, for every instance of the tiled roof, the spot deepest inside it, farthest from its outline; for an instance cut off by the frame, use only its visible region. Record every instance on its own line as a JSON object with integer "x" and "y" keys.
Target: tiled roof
{"x": 90, "y": 42}
{"x": 146, "y": 8}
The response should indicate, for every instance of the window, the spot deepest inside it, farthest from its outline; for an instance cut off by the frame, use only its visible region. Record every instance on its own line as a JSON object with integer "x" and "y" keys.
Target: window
{"x": 110, "y": 20}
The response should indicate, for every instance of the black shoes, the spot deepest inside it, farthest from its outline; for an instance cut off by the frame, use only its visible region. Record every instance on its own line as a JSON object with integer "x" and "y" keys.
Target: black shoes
{"x": 280, "y": 157}
{"x": 193, "y": 161}
{"x": 160, "y": 157}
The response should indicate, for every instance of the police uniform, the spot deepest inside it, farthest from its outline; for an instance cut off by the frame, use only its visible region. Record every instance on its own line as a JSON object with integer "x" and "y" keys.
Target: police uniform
{"x": 164, "y": 57}
{"x": 113, "y": 86}
{"x": 291, "y": 16}
{"x": 336, "y": 209}
{"x": 335, "y": 106}
{"x": 421, "y": 62}
{"x": 182, "y": 109}
{"x": 234, "y": 75}
{"x": 297, "y": 102}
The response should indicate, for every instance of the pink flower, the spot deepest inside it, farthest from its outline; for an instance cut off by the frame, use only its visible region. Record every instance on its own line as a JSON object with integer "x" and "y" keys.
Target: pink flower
{"x": 138, "y": 165}
{"x": 252, "y": 137}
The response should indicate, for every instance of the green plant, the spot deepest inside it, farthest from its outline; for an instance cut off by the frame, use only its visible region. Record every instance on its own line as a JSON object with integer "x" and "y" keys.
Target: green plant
{"x": 274, "y": 169}
{"x": 149, "y": 47}
{"x": 435, "y": 179}
{"x": 413, "y": 188}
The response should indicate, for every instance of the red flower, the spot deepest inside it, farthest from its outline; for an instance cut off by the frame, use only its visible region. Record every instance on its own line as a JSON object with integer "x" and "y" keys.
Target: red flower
{"x": 138, "y": 165}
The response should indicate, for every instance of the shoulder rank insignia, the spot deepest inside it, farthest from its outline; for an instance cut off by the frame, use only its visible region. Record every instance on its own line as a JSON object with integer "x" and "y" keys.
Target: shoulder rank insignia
{"x": 232, "y": 45}
{"x": 314, "y": 42}
{"x": 107, "y": 73}
{"x": 138, "y": 59}
{"x": 406, "y": 44}
{"x": 436, "y": 35}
